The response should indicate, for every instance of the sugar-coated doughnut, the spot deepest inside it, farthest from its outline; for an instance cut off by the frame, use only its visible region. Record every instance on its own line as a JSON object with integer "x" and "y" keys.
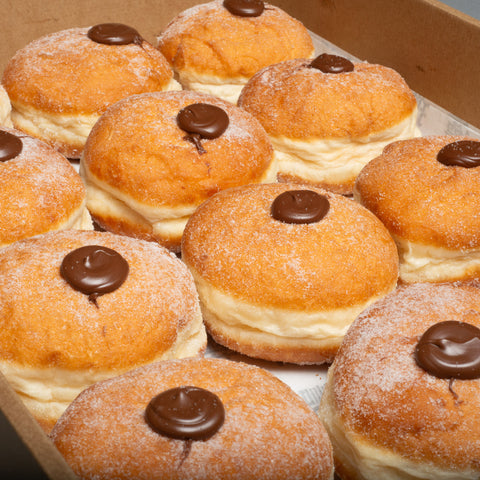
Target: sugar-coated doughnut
{"x": 268, "y": 432}
{"x": 328, "y": 117}
{"x": 39, "y": 190}
{"x": 147, "y": 168}
{"x": 402, "y": 399}
{"x": 5, "y": 108}
{"x": 61, "y": 83}
{"x": 285, "y": 291}
{"x": 215, "y": 51}
{"x": 430, "y": 208}
{"x": 67, "y": 321}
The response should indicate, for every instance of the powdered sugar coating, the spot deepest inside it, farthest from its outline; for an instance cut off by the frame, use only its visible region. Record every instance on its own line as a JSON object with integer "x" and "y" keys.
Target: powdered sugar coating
{"x": 66, "y": 72}
{"x": 268, "y": 433}
{"x": 39, "y": 191}
{"x": 45, "y": 322}
{"x": 388, "y": 401}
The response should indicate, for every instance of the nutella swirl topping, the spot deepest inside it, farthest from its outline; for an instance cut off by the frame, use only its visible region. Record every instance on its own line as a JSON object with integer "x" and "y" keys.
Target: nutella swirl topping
{"x": 245, "y": 8}
{"x": 202, "y": 120}
{"x": 114, "y": 34}
{"x": 300, "y": 206}
{"x": 94, "y": 270}
{"x": 463, "y": 153}
{"x": 327, "y": 63}
{"x": 186, "y": 413}
{"x": 10, "y": 146}
{"x": 450, "y": 349}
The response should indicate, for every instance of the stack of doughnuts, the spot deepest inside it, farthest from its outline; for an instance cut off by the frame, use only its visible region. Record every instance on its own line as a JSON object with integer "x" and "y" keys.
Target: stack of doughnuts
{"x": 282, "y": 270}
{"x": 61, "y": 83}
{"x": 328, "y": 117}
{"x": 216, "y": 47}
{"x": 426, "y": 191}
{"x": 402, "y": 398}
{"x": 77, "y": 307}
{"x": 39, "y": 190}
{"x": 193, "y": 419}
{"x": 152, "y": 159}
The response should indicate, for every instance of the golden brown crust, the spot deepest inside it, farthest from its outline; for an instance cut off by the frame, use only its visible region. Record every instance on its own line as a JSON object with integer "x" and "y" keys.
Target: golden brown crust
{"x": 421, "y": 200}
{"x": 66, "y": 72}
{"x": 50, "y": 324}
{"x": 39, "y": 191}
{"x": 234, "y": 243}
{"x": 207, "y": 39}
{"x": 269, "y": 432}
{"x": 370, "y": 99}
{"x": 385, "y": 400}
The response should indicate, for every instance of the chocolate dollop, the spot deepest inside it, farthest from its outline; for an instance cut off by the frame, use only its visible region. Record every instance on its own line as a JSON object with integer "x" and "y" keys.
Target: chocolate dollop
{"x": 94, "y": 270}
{"x": 245, "y": 8}
{"x": 186, "y": 413}
{"x": 114, "y": 34}
{"x": 328, "y": 63}
{"x": 10, "y": 146}
{"x": 300, "y": 206}
{"x": 463, "y": 153}
{"x": 450, "y": 349}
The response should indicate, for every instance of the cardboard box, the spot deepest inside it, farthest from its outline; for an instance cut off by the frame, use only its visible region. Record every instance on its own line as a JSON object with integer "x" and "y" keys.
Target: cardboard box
{"x": 433, "y": 46}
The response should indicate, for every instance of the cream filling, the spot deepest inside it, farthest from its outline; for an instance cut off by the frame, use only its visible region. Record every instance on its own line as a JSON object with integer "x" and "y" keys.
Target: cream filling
{"x": 5, "y": 108}
{"x": 337, "y": 160}
{"x": 423, "y": 263}
{"x": 278, "y": 322}
{"x": 374, "y": 463}
{"x": 47, "y": 392}
{"x": 103, "y": 200}
{"x": 71, "y": 129}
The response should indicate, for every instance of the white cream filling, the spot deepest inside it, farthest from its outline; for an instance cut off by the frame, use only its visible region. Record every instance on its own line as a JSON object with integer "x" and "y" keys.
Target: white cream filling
{"x": 423, "y": 263}
{"x": 72, "y": 129}
{"x": 49, "y": 391}
{"x": 337, "y": 160}
{"x": 169, "y": 221}
{"x": 370, "y": 462}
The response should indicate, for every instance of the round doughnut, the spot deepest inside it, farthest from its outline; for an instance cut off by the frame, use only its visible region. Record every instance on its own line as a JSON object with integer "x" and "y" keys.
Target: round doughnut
{"x": 146, "y": 172}
{"x": 61, "y": 83}
{"x": 328, "y": 117}
{"x": 286, "y": 291}
{"x": 268, "y": 431}
{"x": 39, "y": 190}
{"x": 215, "y": 51}
{"x": 5, "y": 108}
{"x": 388, "y": 416}
{"x": 431, "y": 209}
{"x": 67, "y": 322}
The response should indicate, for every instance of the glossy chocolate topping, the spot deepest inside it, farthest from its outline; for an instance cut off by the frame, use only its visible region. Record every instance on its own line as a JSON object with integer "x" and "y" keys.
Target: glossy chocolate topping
{"x": 300, "y": 206}
{"x": 94, "y": 270}
{"x": 450, "y": 349}
{"x": 463, "y": 153}
{"x": 10, "y": 146}
{"x": 114, "y": 34}
{"x": 245, "y": 8}
{"x": 203, "y": 119}
{"x": 186, "y": 413}
{"x": 332, "y": 64}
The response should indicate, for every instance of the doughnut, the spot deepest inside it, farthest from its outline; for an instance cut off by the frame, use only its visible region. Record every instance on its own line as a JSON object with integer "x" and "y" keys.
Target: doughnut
{"x": 427, "y": 193}
{"x": 151, "y": 159}
{"x": 216, "y": 47}
{"x": 282, "y": 270}
{"x": 247, "y": 425}
{"x": 77, "y": 307}
{"x": 61, "y": 83}
{"x": 5, "y": 108}
{"x": 328, "y": 117}
{"x": 39, "y": 190}
{"x": 402, "y": 398}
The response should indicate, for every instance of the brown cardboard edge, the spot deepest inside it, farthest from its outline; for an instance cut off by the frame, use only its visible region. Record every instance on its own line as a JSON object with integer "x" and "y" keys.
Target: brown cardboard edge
{"x": 34, "y": 438}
